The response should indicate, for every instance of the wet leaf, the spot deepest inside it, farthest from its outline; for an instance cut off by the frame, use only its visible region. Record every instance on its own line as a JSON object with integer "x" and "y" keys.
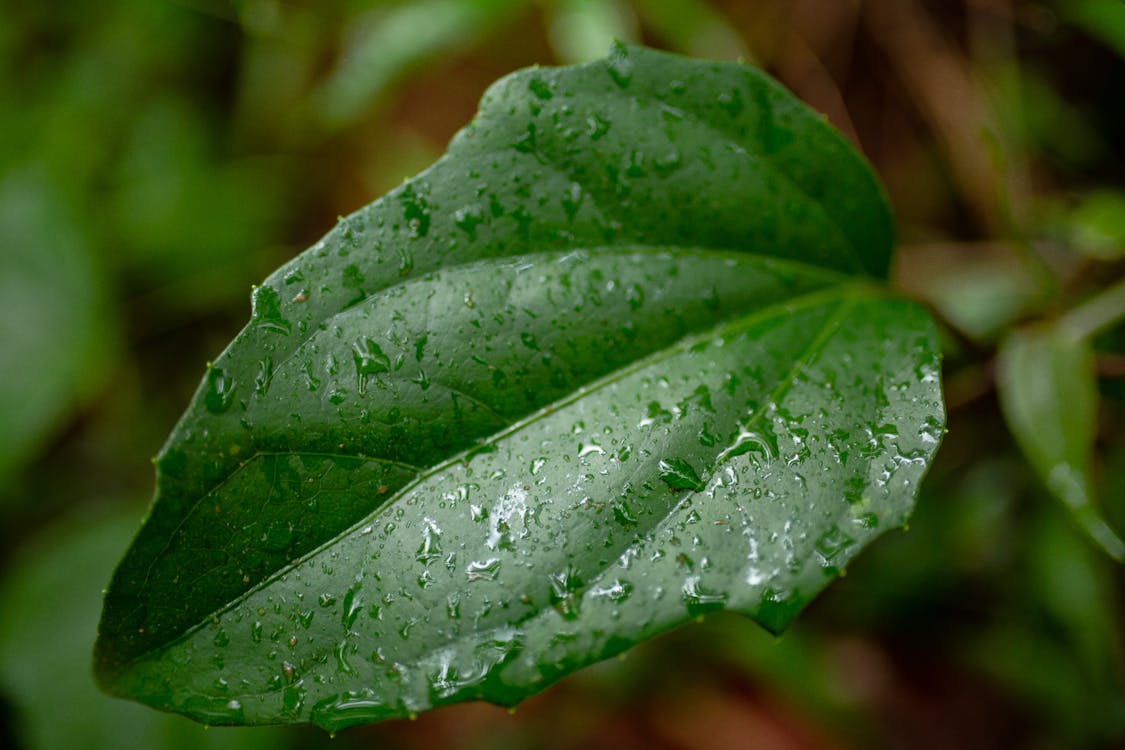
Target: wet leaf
{"x": 618, "y": 359}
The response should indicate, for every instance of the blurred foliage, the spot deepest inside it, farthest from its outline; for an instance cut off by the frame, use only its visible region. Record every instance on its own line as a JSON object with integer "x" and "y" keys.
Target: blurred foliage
{"x": 55, "y": 629}
{"x": 157, "y": 158}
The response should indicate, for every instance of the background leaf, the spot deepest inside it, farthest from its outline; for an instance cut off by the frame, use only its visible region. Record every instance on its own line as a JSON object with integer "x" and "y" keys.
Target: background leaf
{"x": 1049, "y": 394}
{"x": 54, "y": 699}
{"x": 392, "y": 39}
{"x": 1103, "y": 20}
{"x": 580, "y": 381}
{"x": 54, "y": 317}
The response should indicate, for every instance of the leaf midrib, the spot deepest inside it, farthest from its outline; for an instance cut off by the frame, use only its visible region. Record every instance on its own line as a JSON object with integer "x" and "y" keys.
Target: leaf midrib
{"x": 751, "y": 259}
{"x": 756, "y": 154}
{"x": 827, "y": 329}
{"x": 784, "y": 383}
{"x": 723, "y": 137}
{"x": 851, "y": 292}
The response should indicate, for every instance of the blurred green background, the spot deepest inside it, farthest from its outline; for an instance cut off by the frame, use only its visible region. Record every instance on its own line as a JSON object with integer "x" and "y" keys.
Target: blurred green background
{"x": 157, "y": 158}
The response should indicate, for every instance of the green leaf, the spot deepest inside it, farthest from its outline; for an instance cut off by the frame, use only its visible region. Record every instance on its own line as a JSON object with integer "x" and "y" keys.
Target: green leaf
{"x": 1056, "y": 646}
{"x": 580, "y": 30}
{"x": 616, "y": 360}
{"x": 54, "y": 317}
{"x": 1049, "y": 392}
{"x": 1097, "y": 225}
{"x": 51, "y": 604}
{"x": 392, "y": 40}
{"x": 693, "y": 27}
{"x": 1101, "y": 19}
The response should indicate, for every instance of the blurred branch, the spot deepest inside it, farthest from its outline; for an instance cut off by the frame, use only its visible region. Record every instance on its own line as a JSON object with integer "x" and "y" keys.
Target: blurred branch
{"x": 803, "y": 68}
{"x": 694, "y": 28}
{"x": 993, "y": 45}
{"x": 1110, "y": 365}
{"x": 942, "y": 86}
{"x": 582, "y": 30}
{"x": 969, "y": 385}
{"x": 387, "y": 42}
{"x": 1097, "y": 313}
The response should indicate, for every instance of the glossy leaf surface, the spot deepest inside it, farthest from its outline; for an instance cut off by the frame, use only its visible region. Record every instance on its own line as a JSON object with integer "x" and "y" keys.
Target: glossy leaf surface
{"x": 614, "y": 361}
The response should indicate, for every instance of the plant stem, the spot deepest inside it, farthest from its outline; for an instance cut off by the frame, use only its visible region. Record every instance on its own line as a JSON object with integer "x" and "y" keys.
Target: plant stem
{"x": 1097, "y": 313}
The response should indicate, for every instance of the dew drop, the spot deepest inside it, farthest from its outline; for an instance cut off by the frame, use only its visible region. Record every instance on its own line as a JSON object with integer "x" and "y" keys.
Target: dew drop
{"x": 565, "y": 588}
{"x": 832, "y": 543}
{"x": 931, "y": 432}
{"x": 678, "y": 474}
{"x": 430, "y": 548}
{"x": 667, "y": 163}
{"x": 214, "y": 710}
{"x": 266, "y": 311}
{"x": 220, "y": 391}
{"x": 349, "y": 709}
{"x": 619, "y": 65}
{"x": 483, "y": 570}
{"x": 867, "y": 520}
{"x": 264, "y": 376}
{"x": 415, "y": 211}
{"x": 405, "y": 260}
{"x": 617, "y": 591}
{"x": 352, "y": 607}
{"x": 596, "y": 126}
{"x": 572, "y": 200}
{"x": 635, "y": 296}
{"x": 369, "y": 360}
{"x": 699, "y": 599}
{"x": 525, "y": 144}
{"x": 467, "y": 218}
{"x": 540, "y": 88}
{"x": 731, "y": 101}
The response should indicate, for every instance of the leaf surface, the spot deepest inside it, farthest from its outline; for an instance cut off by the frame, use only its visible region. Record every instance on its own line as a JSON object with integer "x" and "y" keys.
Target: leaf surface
{"x": 616, "y": 360}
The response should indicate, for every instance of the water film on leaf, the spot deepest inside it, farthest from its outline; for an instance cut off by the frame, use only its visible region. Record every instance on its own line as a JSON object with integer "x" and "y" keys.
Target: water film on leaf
{"x": 620, "y": 358}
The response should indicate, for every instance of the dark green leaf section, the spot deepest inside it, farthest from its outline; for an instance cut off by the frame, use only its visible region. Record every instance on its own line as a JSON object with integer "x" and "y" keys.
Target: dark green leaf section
{"x": 643, "y": 150}
{"x": 248, "y": 527}
{"x": 740, "y": 468}
{"x": 603, "y": 367}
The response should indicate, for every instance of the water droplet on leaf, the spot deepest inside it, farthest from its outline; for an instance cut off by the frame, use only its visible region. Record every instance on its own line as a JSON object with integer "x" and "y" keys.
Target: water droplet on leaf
{"x": 619, "y": 65}
{"x": 678, "y": 474}
{"x": 220, "y": 391}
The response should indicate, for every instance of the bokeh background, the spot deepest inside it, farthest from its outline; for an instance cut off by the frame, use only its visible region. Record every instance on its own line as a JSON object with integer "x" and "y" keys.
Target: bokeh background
{"x": 159, "y": 157}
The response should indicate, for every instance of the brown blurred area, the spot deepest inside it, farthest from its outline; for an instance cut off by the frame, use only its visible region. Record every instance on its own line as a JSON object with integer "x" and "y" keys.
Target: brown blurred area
{"x": 909, "y": 83}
